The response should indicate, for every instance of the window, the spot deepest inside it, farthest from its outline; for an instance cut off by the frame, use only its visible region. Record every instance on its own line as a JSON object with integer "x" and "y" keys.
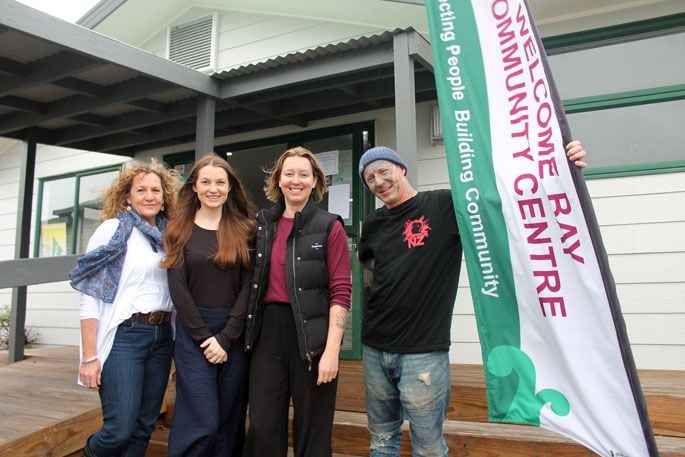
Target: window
{"x": 631, "y": 135}
{"x": 69, "y": 211}
{"x": 622, "y": 67}
{"x": 627, "y": 114}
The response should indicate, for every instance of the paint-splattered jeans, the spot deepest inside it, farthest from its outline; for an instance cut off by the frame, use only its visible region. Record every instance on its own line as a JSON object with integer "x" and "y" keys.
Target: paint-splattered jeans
{"x": 413, "y": 385}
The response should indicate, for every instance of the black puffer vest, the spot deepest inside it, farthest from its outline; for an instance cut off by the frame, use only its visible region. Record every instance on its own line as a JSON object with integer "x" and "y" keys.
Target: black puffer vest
{"x": 306, "y": 276}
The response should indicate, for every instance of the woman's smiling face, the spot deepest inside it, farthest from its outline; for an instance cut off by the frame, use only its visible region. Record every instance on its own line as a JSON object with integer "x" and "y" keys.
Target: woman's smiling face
{"x": 297, "y": 181}
{"x": 211, "y": 186}
{"x": 146, "y": 196}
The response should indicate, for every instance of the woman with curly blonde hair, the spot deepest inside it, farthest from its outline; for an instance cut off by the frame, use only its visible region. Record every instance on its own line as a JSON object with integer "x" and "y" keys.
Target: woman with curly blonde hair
{"x": 125, "y": 309}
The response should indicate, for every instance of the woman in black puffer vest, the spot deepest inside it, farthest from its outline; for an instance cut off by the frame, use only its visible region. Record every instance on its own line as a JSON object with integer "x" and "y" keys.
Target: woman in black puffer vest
{"x": 298, "y": 306}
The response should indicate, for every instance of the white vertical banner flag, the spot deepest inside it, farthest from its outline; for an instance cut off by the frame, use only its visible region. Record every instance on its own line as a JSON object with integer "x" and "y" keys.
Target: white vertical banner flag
{"x": 554, "y": 344}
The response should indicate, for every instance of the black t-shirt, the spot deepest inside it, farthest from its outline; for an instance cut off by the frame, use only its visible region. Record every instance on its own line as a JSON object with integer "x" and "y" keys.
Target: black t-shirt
{"x": 416, "y": 251}
{"x": 199, "y": 283}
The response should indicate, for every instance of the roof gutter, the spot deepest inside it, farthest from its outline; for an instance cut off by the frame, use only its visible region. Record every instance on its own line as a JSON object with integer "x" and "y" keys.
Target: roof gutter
{"x": 99, "y": 13}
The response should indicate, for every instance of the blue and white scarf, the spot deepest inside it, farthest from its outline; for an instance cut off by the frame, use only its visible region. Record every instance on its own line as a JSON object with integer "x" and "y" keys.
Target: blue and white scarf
{"x": 98, "y": 272}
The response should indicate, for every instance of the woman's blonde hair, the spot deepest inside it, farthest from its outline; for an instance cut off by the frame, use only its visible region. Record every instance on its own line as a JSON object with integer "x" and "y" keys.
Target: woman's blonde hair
{"x": 115, "y": 198}
{"x": 273, "y": 175}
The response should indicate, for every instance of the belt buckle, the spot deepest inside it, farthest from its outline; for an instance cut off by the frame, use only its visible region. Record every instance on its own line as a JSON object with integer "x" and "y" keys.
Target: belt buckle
{"x": 155, "y": 318}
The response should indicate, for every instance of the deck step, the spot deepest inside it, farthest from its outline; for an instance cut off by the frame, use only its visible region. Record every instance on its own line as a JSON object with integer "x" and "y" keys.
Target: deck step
{"x": 664, "y": 391}
{"x": 482, "y": 439}
{"x": 351, "y": 438}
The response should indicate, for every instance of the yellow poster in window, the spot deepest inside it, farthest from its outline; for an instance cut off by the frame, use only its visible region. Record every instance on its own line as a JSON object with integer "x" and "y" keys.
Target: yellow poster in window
{"x": 53, "y": 239}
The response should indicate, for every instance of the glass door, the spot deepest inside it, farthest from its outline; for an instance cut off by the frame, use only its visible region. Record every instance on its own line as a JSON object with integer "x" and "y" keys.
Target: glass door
{"x": 336, "y": 155}
{"x": 338, "y": 149}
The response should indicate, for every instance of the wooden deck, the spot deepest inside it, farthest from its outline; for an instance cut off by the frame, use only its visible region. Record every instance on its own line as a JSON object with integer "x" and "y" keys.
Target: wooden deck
{"x": 664, "y": 391}
{"x": 469, "y": 434}
{"x": 43, "y": 412}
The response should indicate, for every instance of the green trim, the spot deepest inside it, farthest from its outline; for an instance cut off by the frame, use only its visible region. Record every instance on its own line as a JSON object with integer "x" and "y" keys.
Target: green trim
{"x": 624, "y": 99}
{"x": 77, "y": 175}
{"x": 179, "y": 158}
{"x": 39, "y": 210}
{"x": 365, "y": 205}
{"x": 88, "y": 171}
{"x": 630, "y": 29}
{"x": 641, "y": 169}
{"x": 74, "y": 214}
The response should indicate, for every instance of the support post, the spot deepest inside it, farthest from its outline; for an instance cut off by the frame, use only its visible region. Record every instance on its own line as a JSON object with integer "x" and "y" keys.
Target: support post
{"x": 204, "y": 130}
{"x": 21, "y": 251}
{"x": 405, "y": 105}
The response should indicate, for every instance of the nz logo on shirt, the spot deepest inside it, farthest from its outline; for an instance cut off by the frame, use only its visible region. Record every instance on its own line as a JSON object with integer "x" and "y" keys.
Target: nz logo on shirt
{"x": 416, "y": 231}
{"x": 316, "y": 246}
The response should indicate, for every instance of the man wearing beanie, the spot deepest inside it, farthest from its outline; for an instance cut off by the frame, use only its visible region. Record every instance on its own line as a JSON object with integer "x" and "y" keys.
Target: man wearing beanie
{"x": 413, "y": 247}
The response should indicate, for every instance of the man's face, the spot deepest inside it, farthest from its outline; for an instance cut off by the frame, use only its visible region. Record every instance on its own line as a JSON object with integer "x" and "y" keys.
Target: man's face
{"x": 387, "y": 181}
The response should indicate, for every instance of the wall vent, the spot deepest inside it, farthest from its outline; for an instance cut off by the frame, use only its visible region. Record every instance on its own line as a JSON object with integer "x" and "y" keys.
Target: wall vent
{"x": 193, "y": 44}
{"x": 436, "y": 126}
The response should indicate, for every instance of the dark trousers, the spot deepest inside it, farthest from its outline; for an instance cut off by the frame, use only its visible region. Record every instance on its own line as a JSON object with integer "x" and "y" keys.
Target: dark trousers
{"x": 278, "y": 373}
{"x": 209, "y": 415}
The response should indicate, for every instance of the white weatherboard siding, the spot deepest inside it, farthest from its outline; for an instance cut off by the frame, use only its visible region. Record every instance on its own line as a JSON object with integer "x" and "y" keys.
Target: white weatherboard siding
{"x": 245, "y": 38}
{"x": 274, "y": 36}
{"x": 53, "y": 313}
{"x": 9, "y": 188}
{"x": 52, "y": 309}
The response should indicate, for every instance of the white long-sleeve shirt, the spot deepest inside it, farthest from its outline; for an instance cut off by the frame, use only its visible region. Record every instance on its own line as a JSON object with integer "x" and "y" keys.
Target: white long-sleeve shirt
{"x": 142, "y": 288}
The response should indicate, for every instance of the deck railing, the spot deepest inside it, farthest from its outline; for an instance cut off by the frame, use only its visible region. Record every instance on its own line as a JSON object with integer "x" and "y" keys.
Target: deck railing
{"x": 20, "y": 273}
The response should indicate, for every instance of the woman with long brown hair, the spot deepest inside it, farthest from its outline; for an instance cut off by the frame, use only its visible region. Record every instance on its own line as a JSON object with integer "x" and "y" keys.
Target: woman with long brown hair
{"x": 208, "y": 258}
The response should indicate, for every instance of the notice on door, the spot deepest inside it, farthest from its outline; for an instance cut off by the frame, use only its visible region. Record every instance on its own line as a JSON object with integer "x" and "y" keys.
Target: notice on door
{"x": 339, "y": 200}
{"x": 328, "y": 161}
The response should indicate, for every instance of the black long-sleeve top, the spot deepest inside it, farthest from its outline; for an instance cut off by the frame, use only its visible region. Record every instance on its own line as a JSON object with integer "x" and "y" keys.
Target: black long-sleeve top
{"x": 199, "y": 283}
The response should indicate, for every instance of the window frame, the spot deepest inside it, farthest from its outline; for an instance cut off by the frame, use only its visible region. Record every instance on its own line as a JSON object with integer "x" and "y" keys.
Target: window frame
{"x": 648, "y": 96}
{"x": 77, "y": 175}
{"x": 620, "y": 33}
{"x": 606, "y": 36}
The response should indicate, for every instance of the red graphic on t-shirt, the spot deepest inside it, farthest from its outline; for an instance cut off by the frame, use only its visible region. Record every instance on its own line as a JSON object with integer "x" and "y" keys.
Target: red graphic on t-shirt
{"x": 416, "y": 231}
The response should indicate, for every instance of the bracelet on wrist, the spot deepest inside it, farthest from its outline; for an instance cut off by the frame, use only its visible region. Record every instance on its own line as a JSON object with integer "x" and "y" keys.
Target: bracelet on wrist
{"x": 89, "y": 360}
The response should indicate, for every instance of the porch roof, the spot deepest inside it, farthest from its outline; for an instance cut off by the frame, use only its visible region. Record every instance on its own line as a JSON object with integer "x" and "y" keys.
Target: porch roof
{"x": 62, "y": 84}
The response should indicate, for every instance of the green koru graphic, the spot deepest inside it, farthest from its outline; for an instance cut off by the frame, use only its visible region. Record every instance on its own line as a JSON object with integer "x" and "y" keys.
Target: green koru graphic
{"x": 526, "y": 404}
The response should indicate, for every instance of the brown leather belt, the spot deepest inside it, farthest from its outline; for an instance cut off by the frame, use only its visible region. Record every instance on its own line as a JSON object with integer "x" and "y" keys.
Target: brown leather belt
{"x": 155, "y": 317}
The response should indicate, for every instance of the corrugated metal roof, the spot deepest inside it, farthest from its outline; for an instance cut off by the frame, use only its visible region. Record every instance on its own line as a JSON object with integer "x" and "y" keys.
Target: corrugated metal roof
{"x": 312, "y": 53}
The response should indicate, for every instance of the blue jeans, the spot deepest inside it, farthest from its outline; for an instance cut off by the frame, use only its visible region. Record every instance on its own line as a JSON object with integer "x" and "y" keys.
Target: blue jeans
{"x": 133, "y": 382}
{"x": 415, "y": 385}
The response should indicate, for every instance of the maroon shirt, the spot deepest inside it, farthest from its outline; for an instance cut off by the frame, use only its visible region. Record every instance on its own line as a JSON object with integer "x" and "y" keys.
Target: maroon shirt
{"x": 337, "y": 261}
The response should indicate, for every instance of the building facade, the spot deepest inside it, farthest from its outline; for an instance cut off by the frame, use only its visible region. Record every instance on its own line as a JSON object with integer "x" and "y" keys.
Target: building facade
{"x": 603, "y": 60}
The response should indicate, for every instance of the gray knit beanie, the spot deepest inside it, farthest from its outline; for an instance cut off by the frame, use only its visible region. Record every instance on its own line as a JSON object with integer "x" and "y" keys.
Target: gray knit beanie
{"x": 379, "y": 153}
